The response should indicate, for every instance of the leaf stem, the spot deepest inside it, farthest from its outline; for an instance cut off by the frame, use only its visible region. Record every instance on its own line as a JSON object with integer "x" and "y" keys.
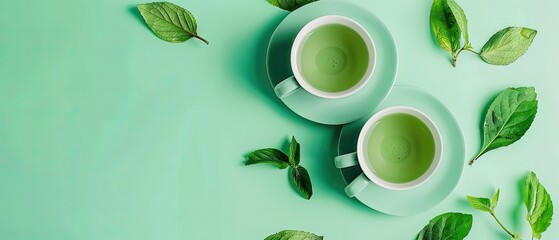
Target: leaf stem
{"x": 477, "y": 156}
{"x": 500, "y": 224}
{"x": 201, "y": 38}
{"x": 466, "y": 47}
{"x": 454, "y": 58}
{"x": 471, "y": 50}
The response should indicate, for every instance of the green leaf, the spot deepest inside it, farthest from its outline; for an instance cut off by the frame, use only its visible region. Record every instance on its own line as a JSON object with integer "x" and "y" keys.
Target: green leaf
{"x": 507, "y": 45}
{"x": 270, "y": 156}
{"x": 290, "y": 5}
{"x": 294, "y": 152}
{"x": 445, "y": 27}
{"x": 530, "y": 191}
{"x": 302, "y": 181}
{"x": 495, "y": 200}
{"x": 539, "y": 206}
{"x": 461, "y": 19}
{"x": 447, "y": 226}
{"x": 508, "y": 118}
{"x": 170, "y": 22}
{"x": 482, "y": 204}
{"x": 293, "y": 235}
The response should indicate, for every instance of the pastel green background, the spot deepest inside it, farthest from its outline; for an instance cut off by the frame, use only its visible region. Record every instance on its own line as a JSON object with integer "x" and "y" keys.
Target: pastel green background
{"x": 107, "y": 132}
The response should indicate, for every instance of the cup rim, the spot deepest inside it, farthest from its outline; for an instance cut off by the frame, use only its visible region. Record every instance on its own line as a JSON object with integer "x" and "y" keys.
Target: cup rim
{"x": 363, "y": 163}
{"x": 303, "y": 35}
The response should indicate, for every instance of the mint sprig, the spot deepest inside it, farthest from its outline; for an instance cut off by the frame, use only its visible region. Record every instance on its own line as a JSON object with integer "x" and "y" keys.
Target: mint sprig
{"x": 487, "y": 205}
{"x": 449, "y": 25}
{"x": 538, "y": 205}
{"x": 299, "y": 175}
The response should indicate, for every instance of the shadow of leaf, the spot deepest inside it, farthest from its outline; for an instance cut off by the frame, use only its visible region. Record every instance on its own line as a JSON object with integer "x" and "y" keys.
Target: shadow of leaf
{"x": 133, "y": 10}
{"x": 518, "y": 213}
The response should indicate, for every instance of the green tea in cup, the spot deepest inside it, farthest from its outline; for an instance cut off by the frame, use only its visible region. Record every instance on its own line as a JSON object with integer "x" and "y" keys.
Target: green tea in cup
{"x": 331, "y": 57}
{"x": 334, "y": 58}
{"x": 400, "y": 148}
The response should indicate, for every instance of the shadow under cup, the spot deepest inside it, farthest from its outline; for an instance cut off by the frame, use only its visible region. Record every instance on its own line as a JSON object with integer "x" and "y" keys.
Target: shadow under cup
{"x": 398, "y": 148}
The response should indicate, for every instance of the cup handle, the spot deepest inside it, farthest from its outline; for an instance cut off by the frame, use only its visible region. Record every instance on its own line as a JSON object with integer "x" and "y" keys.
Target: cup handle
{"x": 357, "y": 185}
{"x": 346, "y": 160}
{"x": 286, "y": 87}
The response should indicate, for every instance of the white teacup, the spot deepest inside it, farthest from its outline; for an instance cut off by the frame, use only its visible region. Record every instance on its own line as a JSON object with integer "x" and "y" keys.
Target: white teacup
{"x": 408, "y": 144}
{"x": 330, "y": 67}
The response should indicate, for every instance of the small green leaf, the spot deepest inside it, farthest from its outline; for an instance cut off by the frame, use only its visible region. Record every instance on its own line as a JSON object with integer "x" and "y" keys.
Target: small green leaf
{"x": 495, "y": 200}
{"x": 516, "y": 236}
{"x": 170, "y": 22}
{"x": 302, "y": 181}
{"x": 507, "y": 45}
{"x": 461, "y": 19}
{"x": 270, "y": 156}
{"x": 508, "y": 118}
{"x": 293, "y": 235}
{"x": 294, "y": 152}
{"x": 482, "y": 204}
{"x": 541, "y": 213}
{"x": 444, "y": 26}
{"x": 447, "y": 226}
{"x": 290, "y": 5}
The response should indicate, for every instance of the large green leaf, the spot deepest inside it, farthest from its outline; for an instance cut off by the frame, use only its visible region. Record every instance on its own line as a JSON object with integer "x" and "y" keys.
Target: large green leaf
{"x": 293, "y": 235}
{"x": 447, "y": 226}
{"x": 508, "y": 118}
{"x": 170, "y": 22}
{"x": 507, "y": 45}
{"x": 269, "y": 156}
{"x": 482, "y": 204}
{"x": 294, "y": 152}
{"x": 444, "y": 26}
{"x": 302, "y": 181}
{"x": 290, "y": 5}
{"x": 539, "y": 205}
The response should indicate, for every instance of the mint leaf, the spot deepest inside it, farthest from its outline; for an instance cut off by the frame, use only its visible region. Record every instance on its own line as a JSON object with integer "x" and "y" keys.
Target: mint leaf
{"x": 539, "y": 205}
{"x": 170, "y": 22}
{"x": 461, "y": 19}
{"x": 302, "y": 181}
{"x": 482, "y": 204}
{"x": 293, "y": 235}
{"x": 299, "y": 175}
{"x": 269, "y": 156}
{"x": 290, "y": 5}
{"x": 495, "y": 200}
{"x": 508, "y": 118}
{"x": 294, "y": 152}
{"x": 507, "y": 45}
{"x": 530, "y": 188}
{"x": 447, "y": 226}
{"x": 445, "y": 27}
